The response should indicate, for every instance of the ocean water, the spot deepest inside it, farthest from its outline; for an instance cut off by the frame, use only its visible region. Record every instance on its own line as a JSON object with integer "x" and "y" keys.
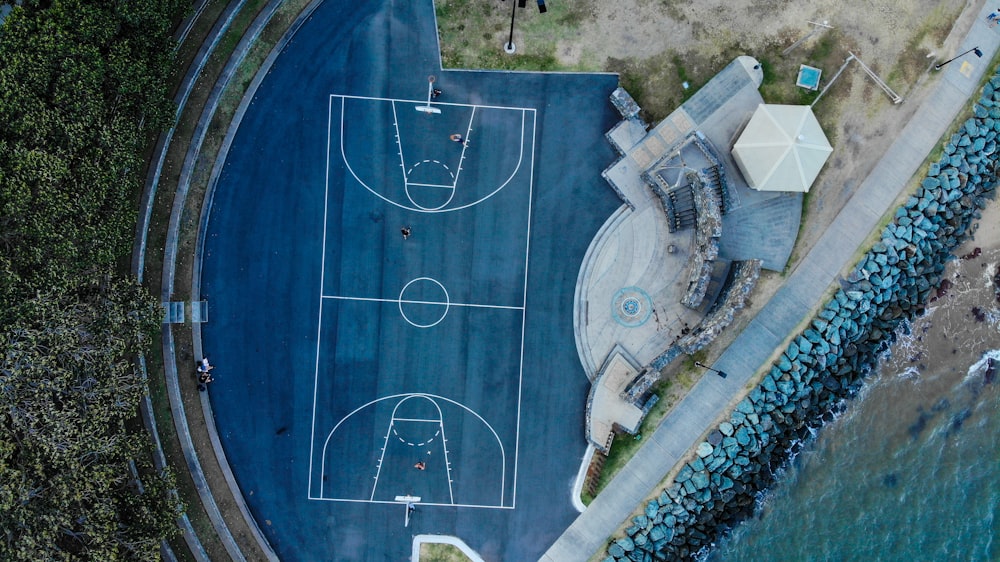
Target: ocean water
{"x": 910, "y": 470}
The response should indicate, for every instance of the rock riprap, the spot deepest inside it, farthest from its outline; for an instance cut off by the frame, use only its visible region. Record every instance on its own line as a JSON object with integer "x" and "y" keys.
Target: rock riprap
{"x": 827, "y": 362}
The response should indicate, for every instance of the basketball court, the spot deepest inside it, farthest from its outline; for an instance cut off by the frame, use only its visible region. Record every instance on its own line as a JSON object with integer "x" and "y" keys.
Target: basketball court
{"x": 361, "y": 371}
{"x": 420, "y": 338}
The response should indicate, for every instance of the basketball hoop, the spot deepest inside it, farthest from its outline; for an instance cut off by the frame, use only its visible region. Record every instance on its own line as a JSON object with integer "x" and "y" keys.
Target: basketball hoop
{"x": 410, "y": 503}
{"x": 430, "y": 90}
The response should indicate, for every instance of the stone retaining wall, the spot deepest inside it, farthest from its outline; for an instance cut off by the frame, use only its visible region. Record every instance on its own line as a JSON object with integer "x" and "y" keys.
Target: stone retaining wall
{"x": 718, "y": 167}
{"x": 706, "y": 243}
{"x": 743, "y": 277}
{"x": 827, "y": 362}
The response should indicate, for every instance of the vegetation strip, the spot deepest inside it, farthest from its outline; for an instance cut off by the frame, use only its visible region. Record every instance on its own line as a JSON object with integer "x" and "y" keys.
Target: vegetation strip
{"x": 82, "y": 87}
{"x": 180, "y": 203}
{"x": 202, "y": 153}
{"x": 195, "y": 69}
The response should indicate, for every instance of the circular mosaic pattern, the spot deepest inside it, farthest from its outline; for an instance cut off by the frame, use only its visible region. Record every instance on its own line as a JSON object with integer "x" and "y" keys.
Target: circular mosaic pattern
{"x": 631, "y": 307}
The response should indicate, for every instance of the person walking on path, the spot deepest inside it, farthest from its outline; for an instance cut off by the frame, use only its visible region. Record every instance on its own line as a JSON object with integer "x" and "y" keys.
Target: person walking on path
{"x": 994, "y": 18}
{"x": 459, "y": 139}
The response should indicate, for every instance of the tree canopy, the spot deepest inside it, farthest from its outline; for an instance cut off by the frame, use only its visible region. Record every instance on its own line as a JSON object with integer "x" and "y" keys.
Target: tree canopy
{"x": 83, "y": 85}
{"x": 68, "y": 389}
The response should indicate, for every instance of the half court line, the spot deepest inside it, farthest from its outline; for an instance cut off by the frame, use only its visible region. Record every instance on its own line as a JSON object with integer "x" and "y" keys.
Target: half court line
{"x": 406, "y": 301}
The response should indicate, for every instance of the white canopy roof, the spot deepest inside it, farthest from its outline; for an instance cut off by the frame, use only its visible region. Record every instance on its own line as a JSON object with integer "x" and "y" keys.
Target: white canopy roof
{"x": 782, "y": 148}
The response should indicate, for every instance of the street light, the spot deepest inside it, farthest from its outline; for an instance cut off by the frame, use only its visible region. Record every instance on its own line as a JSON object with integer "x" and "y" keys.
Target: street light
{"x": 707, "y": 368}
{"x": 972, "y": 50}
{"x": 509, "y": 47}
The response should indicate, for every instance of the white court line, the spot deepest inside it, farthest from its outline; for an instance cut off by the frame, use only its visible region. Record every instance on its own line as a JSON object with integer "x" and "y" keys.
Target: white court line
{"x": 417, "y": 420}
{"x": 465, "y": 146}
{"x": 399, "y": 141}
{"x": 431, "y": 185}
{"x": 322, "y": 272}
{"x": 431, "y": 397}
{"x": 378, "y": 467}
{"x": 424, "y": 102}
{"x": 348, "y": 500}
{"x": 417, "y": 208}
{"x": 444, "y": 444}
{"x": 405, "y": 301}
{"x": 523, "y": 308}
{"x": 447, "y": 463}
{"x": 527, "y": 249}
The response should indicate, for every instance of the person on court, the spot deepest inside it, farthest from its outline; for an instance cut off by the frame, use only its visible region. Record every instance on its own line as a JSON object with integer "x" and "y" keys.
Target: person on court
{"x": 405, "y": 231}
{"x": 420, "y": 465}
{"x": 459, "y": 139}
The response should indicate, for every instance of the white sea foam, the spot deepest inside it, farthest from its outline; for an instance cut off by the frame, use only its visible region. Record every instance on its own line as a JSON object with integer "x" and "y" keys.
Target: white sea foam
{"x": 978, "y": 368}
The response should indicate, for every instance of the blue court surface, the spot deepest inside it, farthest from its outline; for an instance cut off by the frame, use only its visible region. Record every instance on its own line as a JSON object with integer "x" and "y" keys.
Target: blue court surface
{"x": 357, "y": 365}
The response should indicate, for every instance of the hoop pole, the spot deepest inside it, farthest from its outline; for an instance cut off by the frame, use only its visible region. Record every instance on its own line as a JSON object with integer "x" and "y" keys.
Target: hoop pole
{"x": 509, "y": 47}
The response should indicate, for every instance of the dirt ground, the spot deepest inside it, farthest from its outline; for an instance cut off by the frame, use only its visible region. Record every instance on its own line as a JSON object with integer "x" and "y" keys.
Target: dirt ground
{"x": 655, "y": 45}
{"x": 899, "y": 40}
{"x": 895, "y": 38}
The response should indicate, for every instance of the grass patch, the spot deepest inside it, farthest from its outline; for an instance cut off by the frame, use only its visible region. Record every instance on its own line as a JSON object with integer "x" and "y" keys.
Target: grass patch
{"x": 439, "y": 552}
{"x": 780, "y": 72}
{"x": 473, "y": 34}
{"x": 913, "y": 60}
{"x": 670, "y": 389}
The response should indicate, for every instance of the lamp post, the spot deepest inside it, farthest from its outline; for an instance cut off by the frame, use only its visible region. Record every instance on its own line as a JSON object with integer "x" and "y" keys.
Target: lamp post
{"x": 509, "y": 47}
{"x": 972, "y": 50}
{"x": 707, "y": 368}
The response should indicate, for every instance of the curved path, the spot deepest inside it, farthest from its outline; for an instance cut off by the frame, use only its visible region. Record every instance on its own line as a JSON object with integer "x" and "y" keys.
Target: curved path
{"x": 267, "y": 252}
{"x": 805, "y": 288}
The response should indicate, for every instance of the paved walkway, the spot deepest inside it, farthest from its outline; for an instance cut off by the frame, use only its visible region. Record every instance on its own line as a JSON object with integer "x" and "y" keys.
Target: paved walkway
{"x": 802, "y": 292}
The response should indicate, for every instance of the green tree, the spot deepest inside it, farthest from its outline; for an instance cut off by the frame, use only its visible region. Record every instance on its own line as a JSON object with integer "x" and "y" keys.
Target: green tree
{"x": 82, "y": 86}
{"x": 68, "y": 390}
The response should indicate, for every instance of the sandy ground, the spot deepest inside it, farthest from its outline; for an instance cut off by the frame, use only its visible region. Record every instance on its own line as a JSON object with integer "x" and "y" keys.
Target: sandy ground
{"x": 880, "y": 32}
{"x": 643, "y": 28}
{"x": 962, "y": 323}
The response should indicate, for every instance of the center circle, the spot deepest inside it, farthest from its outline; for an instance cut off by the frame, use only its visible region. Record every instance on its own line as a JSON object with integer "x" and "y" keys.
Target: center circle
{"x": 427, "y": 301}
{"x": 631, "y": 307}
